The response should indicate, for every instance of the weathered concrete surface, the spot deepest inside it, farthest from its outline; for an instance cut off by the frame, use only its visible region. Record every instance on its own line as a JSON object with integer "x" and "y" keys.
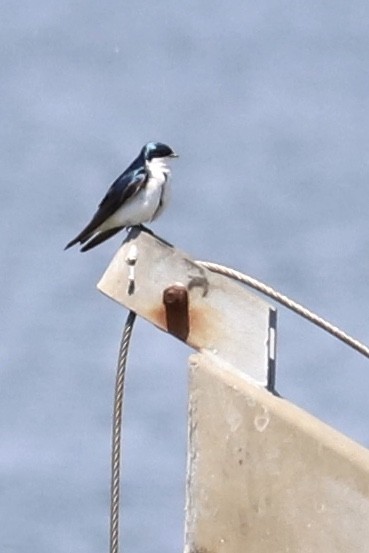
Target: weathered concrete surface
{"x": 223, "y": 316}
{"x": 265, "y": 476}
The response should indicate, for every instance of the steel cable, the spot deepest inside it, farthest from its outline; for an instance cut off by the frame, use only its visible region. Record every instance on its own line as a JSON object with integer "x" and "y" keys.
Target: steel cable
{"x": 290, "y": 304}
{"x": 116, "y": 432}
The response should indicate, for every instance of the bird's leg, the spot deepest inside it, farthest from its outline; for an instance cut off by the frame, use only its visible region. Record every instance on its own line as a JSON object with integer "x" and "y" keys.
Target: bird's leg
{"x": 142, "y": 228}
{"x": 145, "y": 229}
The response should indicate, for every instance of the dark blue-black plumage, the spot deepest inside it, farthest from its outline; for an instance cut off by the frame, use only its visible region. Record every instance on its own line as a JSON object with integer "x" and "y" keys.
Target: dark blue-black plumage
{"x": 124, "y": 188}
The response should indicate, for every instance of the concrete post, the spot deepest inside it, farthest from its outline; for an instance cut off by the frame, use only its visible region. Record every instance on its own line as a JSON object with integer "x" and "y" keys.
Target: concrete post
{"x": 265, "y": 476}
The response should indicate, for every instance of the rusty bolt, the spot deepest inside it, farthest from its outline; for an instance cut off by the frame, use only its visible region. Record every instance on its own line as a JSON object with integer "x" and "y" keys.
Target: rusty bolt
{"x": 175, "y": 299}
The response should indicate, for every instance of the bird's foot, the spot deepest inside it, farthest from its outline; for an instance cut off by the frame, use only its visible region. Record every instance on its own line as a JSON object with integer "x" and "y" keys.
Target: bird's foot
{"x": 142, "y": 228}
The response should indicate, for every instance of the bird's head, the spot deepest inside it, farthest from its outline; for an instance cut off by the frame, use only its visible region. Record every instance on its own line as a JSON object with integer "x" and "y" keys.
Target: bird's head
{"x": 157, "y": 150}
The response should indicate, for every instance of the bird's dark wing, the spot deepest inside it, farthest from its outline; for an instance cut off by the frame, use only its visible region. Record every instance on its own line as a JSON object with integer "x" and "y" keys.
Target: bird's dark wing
{"x": 99, "y": 238}
{"x": 125, "y": 187}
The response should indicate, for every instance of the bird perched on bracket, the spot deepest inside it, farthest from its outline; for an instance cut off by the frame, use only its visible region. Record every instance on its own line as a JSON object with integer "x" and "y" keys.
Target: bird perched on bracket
{"x": 138, "y": 196}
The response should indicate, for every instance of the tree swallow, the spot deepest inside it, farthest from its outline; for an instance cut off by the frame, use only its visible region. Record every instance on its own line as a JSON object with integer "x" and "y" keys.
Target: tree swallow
{"x": 138, "y": 196}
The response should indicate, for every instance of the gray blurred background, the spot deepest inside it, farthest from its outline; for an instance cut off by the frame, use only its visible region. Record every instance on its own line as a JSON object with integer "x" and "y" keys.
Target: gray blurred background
{"x": 267, "y": 104}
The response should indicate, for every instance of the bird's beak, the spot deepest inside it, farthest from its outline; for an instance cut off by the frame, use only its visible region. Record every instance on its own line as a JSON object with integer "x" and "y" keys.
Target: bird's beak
{"x": 174, "y": 155}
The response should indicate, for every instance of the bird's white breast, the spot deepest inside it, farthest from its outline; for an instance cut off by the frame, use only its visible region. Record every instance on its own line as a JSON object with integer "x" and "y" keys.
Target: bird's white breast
{"x": 148, "y": 203}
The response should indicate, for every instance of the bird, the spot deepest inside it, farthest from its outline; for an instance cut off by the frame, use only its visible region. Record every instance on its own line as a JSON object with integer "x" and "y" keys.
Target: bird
{"x": 137, "y": 196}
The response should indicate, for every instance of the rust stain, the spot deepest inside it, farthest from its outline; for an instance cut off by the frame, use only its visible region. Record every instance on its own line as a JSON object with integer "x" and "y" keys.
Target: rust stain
{"x": 157, "y": 316}
{"x": 205, "y": 324}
